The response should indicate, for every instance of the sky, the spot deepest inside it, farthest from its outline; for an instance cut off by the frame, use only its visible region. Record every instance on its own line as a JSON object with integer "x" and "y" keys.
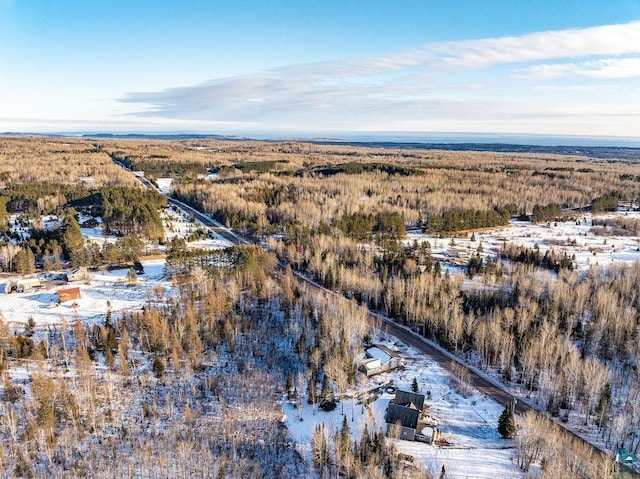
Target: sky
{"x": 547, "y": 67}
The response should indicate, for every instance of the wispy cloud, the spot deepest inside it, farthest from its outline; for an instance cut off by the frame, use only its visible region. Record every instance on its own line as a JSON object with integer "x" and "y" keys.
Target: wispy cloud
{"x": 443, "y": 80}
{"x": 606, "y": 68}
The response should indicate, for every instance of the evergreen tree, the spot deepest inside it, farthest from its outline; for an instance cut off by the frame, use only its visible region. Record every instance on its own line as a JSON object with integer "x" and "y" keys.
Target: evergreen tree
{"x": 24, "y": 262}
{"x": 288, "y": 385}
{"x": 158, "y": 367}
{"x": 320, "y": 447}
{"x": 507, "y": 422}
{"x": 72, "y": 241}
{"x": 4, "y": 215}
{"x": 48, "y": 266}
{"x": 414, "y": 385}
{"x": 366, "y": 444}
{"x": 325, "y": 392}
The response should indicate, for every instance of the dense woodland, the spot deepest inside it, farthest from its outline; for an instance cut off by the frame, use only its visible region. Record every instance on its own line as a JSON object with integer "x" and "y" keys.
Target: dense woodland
{"x": 201, "y": 375}
{"x": 132, "y": 214}
{"x": 250, "y": 334}
{"x": 570, "y": 341}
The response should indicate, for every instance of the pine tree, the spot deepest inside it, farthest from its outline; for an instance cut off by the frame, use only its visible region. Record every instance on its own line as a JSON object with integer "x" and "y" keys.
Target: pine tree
{"x": 158, "y": 367}
{"x": 366, "y": 444}
{"x": 507, "y": 422}
{"x": 414, "y": 385}
{"x": 288, "y": 385}
{"x": 72, "y": 241}
{"x": 4, "y": 214}
{"x": 48, "y": 266}
{"x": 320, "y": 447}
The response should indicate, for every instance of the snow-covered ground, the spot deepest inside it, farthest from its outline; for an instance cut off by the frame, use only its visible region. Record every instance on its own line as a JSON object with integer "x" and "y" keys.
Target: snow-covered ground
{"x": 570, "y": 237}
{"x": 103, "y": 291}
{"x": 179, "y": 224}
{"x": 468, "y": 423}
{"x": 164, "y": 185}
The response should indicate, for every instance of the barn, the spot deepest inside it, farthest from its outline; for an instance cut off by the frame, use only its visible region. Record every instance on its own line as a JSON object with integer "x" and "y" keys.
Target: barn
{"x": 68, "y": 294}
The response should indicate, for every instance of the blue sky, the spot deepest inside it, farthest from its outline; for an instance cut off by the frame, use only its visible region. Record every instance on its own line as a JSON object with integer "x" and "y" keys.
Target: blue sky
{"x": 561, "y": 67}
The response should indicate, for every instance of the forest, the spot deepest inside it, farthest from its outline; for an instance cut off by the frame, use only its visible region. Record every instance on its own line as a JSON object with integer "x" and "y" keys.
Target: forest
{"x": 130, "y": 213}
{"x": 242, "y": 333}
{"x": 568, "y": 339}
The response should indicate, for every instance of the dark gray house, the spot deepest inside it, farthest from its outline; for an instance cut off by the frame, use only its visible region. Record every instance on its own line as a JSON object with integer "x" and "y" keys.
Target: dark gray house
{"x": 404, "y": 411}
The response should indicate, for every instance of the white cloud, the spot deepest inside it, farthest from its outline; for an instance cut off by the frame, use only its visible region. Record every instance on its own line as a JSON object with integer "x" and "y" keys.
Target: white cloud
{"x": 421, "y": 85}
{"x": 606, "y": 68}
{"x": 595, "y": 41}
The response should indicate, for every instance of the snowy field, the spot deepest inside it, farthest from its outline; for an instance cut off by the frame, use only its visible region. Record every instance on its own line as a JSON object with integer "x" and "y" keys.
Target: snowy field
{"x": 570, "y": 237}
{"x": 468, "y": 422}
{"x": 103, "y": 291}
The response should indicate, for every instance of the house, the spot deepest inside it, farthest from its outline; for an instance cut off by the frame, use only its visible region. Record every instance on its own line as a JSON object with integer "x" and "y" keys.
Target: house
{"x": 379, "y": 359}
{"x": 78, "y": 274}
{"x": 28, "y": 284}
{"x": 405, "y": 411}
{"x": 68, "y": 294}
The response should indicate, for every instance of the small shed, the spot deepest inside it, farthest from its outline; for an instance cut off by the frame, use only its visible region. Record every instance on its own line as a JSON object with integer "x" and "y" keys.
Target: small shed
{"x": 68, "y": 294}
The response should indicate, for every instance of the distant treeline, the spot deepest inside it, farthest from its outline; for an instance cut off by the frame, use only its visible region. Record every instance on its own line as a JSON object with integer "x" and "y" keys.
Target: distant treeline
{"x": 157, "y": 166}
{"x": 256, "y": 166}
{"x": 550, "y": 212}
{"x": 459, "y": 220}
{"x": 616, "y": 226}
{"x": 549, "y": 260}
{"x": 355, "y": 168}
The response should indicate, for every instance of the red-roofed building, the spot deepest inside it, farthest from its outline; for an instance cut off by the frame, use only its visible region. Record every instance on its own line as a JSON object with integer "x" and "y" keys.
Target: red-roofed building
{"x": 68, "y": 294}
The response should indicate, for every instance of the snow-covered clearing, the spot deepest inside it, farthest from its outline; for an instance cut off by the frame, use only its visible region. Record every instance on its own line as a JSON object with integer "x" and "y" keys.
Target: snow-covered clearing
{"x": 103, "y": 291}
{"x": 468, "y": 423}
{"x": 179, "y": 224}
{"x": 571, "y": 237}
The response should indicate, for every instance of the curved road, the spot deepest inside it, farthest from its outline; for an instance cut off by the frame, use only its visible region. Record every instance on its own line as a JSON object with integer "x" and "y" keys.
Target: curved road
{"x": 443, "y": 358}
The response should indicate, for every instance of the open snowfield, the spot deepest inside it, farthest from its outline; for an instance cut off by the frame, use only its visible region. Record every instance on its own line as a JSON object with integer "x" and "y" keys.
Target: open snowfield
{"x": 468, "y": 423}
{"x": 570, "y": 237}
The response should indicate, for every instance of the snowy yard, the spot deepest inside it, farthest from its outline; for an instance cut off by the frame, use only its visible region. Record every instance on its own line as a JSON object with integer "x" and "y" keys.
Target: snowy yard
{"x": 468, "y": 423}
{"x": 104, "y": 290}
